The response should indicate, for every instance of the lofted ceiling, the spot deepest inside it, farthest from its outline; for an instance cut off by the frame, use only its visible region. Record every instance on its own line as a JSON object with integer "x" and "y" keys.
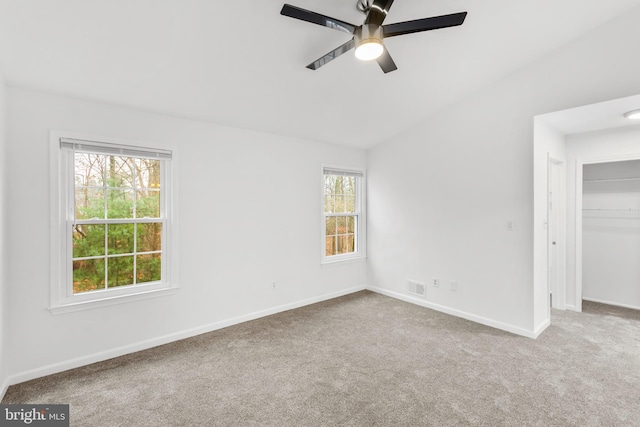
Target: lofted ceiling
{"x": 594, "y": 117}
{"x": 241, "y": 63}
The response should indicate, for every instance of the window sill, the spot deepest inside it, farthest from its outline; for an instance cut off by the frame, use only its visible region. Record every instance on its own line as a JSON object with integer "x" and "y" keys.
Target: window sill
{"x": 341, "y": 261}
{"x": 105, "y": 302}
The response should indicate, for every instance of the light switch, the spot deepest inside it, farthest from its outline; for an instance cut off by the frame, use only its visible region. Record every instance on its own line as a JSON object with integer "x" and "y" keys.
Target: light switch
{"x": 509, "y": 225}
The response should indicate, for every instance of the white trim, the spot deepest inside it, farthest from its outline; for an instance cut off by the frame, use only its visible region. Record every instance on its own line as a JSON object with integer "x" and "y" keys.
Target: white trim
{"x": 462, "y": 314}
{"x": 577, "y": 303}
{"x": 99, "y": 146}
{"x": 55, "y": 233}
{"x": 343, "y": 171}
{"x": 4, "y": 386}
{"x": 578, "y": 218}
{"x": 111, "y": 300}
{"x": 540, "y": 329}
{"x": 559, "y": 221}
{"x": 60, "y": 244}
{"x": 165, "y": 339}
{"x": 617, "y": 304}
{"x": 342, "y": 261}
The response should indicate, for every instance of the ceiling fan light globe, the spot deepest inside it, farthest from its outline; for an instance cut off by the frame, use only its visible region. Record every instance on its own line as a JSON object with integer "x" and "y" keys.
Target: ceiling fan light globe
{"x": 369, "y": 49}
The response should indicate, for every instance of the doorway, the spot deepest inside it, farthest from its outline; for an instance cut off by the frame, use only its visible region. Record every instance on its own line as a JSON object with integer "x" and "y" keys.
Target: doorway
{"x": 563, "y": 140}
{"x": 608, "y": 231}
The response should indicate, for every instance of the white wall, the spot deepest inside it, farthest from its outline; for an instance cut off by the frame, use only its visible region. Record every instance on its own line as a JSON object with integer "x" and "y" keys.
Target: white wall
{"x": 590, "y": 147}
{"x": 442, "y": 191}
{"x": 4, "y": 304}
{"x": 249, "y": 207}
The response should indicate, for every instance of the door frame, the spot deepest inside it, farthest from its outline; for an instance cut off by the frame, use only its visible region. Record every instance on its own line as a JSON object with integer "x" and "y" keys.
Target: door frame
{"x": 578, "y": 220}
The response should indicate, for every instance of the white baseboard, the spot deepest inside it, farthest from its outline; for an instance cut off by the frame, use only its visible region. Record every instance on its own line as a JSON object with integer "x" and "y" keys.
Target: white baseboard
{"x": 143, "y": 345}
{"x": 571, "y": 307}
{"x": 3, "y": 387}
{"x": 617, "y": 304}
{"x": 458, "y": 313}
{"x": 540, "y": 329}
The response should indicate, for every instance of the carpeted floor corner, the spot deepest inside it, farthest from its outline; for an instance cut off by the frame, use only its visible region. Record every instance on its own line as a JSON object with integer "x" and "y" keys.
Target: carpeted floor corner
{"x": 366, "y": 360}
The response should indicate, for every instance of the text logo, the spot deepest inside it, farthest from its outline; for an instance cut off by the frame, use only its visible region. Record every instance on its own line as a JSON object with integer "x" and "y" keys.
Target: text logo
{"x": 34, "y": 415}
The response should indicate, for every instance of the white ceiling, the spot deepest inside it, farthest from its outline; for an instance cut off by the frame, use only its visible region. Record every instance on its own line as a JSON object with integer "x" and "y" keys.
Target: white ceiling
{"x": 594, "y": 117}
{"x": 241, "y": 63}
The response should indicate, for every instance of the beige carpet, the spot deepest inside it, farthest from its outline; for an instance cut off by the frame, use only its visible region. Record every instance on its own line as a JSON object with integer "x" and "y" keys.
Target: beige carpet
{"x": 366, "y": 360}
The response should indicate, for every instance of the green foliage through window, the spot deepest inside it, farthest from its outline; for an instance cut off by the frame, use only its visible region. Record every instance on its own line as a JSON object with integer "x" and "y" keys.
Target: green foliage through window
{"x": 117, "y": 232}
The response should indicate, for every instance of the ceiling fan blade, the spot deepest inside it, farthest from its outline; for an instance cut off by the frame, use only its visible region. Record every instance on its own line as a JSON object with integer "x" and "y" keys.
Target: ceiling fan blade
{"x": 378, "y": 11}
{"x": 386, "y": 62}
{"x": 424, "y": 24}
{"x": 316, "y": 18}
{"x": 332, "y": 55}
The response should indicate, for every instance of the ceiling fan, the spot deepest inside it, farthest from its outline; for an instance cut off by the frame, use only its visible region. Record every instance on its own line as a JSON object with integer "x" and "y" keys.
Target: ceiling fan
{"x": 367, "y": 38}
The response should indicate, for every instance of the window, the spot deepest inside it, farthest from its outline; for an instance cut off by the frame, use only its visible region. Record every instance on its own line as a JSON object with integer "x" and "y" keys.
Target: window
{"x": 343, "y": 214}
{"x": 114, "y": 229}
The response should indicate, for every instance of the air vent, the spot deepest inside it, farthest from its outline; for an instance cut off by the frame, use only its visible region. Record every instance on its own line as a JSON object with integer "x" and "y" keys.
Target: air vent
{"x": 417, "y": 288}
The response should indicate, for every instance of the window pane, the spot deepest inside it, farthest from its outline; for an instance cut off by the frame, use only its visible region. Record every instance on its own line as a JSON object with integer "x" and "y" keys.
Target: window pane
{"x": 329, "y": 204}
{"x": 149, "y": 237}
{"x": 120, "y": 271}
{"x": 89, "y": 170}
{"x": 114, "y": 187}
{"x": 329, "y": 184}
{"x": 331, "y": 225}
{"x": 120, "y": 171}
{"x": 330, "y": 245}
{"x": 88, "y": 275}
{"x": 148, "y": 268}
{"x": 120, "y": 238}
{"x": 148, "y": 204}
{"x": 341, "y": 197}
{"x": 351, "y": 224}
{"x": 119, "y": 204}
{"x": 147, "y": 173}
{"x": 349, "y": 185}
{"x": 88, "y": 241}
{"x": 349, "y": 203}
{"x": 342, "y": 244}
{"x": 89, "y": 203}
{"x": 337, "y": 185}
{"x": 351, "y": 243}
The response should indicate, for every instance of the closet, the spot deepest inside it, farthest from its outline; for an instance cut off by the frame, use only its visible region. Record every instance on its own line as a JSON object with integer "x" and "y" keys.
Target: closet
{"x": 611, "y": 233}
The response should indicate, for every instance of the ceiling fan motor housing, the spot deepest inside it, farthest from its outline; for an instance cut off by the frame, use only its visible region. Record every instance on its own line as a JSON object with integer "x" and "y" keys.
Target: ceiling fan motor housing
{"x": 368, "y": 33}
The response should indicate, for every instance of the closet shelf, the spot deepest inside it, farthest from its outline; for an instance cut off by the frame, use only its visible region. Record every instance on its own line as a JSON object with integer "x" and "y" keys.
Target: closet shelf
{"x": 621, "y": 179}
{"x": 611, "y": 213}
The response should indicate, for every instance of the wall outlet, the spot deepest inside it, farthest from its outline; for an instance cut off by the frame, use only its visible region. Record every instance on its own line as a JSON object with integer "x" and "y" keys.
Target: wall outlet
{"x": 453, "y": 285}
{"x": 435, "y": 282}
{"x": 273, "y": 285}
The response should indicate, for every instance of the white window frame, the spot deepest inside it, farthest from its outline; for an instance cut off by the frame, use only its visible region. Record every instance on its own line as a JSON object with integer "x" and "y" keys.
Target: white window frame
{"x": 62, "y": 183}
{"x": 361, "y": 227}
